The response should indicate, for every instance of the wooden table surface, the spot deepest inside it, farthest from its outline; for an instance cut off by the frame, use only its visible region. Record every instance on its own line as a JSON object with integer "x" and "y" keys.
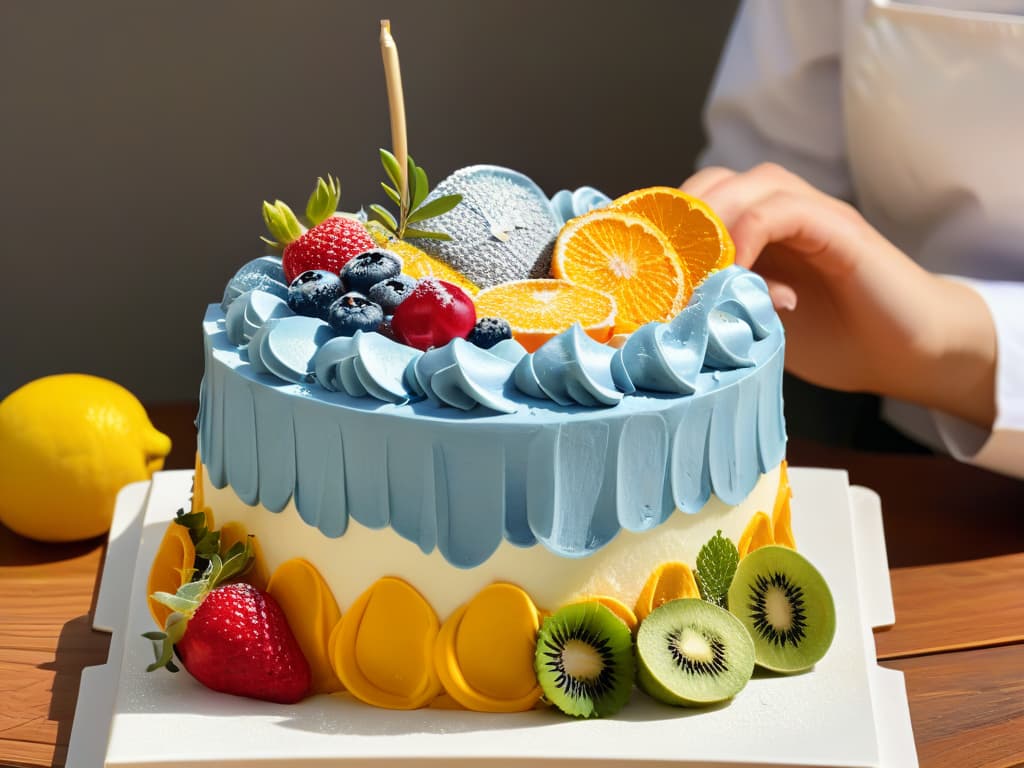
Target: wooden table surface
{"x": 955, "y": 538}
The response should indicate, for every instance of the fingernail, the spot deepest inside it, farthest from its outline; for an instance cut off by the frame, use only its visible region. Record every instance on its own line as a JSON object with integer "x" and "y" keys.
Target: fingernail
{"x": 787, "y": 301}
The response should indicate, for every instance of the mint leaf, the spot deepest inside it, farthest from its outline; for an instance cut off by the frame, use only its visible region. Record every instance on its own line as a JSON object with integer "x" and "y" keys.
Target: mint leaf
{"x": 716, "y": 565}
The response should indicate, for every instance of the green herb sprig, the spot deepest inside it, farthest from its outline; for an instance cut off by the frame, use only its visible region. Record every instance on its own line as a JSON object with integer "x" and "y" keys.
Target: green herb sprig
{"x": 412, "y": 209}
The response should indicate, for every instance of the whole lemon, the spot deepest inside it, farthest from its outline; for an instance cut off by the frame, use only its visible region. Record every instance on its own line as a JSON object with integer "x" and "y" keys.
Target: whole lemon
{"x": 68, "y": 444}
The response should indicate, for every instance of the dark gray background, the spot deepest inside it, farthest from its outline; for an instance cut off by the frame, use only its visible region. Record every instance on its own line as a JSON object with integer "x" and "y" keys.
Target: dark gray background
{"x": 138, "y": 139}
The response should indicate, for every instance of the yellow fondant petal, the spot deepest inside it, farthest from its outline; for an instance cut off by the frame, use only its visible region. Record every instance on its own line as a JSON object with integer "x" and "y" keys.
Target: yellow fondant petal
{"x": 198, "y": 500}
{"x": 257, "y": 573}
{"x": 617, "y": 607}
{"x": 444, "y": 701}
{"x": 485, "y": 651}
{"x": 312, "y": 614}
{"x": 782, "y": 520}
{"x": 382, "y": 649}
{"x": 172, "y": 567}
{"x": 757, "y": 534}
{"x": 669, "y": 581}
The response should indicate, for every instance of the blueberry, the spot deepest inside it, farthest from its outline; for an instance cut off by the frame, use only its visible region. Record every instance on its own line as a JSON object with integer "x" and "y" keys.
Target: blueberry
{"x": 313, "y": 292}
{"x": 391, "y": 292}
{"x": 362, "y": 271}
{"x": 354, "y": 312}
{"x": 488, "y": 331}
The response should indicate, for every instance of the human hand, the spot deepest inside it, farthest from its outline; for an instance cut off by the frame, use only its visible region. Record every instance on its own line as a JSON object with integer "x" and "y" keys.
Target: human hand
{"x": 860, "y": 315}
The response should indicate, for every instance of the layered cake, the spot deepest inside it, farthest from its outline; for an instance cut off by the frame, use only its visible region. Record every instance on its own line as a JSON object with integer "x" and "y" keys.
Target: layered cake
{"x": 495, "y": 452}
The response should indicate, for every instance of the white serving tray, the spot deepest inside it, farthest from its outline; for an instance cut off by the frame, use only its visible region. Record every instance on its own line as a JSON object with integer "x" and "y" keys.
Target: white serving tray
{"x": 846, "y": 712}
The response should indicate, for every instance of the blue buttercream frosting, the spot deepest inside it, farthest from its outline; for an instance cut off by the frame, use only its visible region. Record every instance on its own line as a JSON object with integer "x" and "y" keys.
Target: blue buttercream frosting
{"x": 250, "y": 311}
{"x": 572, "y": 368}
{"x": 569, "y": 205}
{"x": 263, "y": 274}
{"x": 460, "y": 448}
{"x": 464, "y": 376}
{"x": 365, "y": 364}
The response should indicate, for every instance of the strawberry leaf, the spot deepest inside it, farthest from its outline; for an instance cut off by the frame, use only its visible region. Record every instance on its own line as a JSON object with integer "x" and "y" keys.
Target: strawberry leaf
{"x": 236, "y": 560}
{"x": 208, "y": 545}
{"x": 179, "y": 604}
{"x": 272, "y": 244}
{"x": 164, "y": 652}
{"x": 282, "y": 222}
{"x": 192, "y": 591}
{"x": 435, "y": 207}
{"x": 324, "y": 200}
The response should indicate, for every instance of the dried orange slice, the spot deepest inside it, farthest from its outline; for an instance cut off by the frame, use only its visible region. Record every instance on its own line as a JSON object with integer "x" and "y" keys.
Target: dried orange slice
{"x": 539, "y": 309}
{"x": 696, "y": 233}
{"x": 627, "y": 257}
{"x": 418, "y": 264}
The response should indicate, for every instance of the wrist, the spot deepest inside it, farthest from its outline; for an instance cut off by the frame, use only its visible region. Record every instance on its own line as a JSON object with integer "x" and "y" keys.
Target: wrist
{"x": 959, "y": 362}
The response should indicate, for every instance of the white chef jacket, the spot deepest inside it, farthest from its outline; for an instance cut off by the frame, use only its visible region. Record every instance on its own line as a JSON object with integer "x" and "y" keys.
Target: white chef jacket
{"x": 914, "y": 111}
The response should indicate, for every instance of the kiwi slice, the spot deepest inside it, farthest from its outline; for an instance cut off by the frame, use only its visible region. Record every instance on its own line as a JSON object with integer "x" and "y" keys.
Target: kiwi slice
{"x": 691, "y": 653}
{"x": 787, "y": 607}
{"x": 584, "y": 660}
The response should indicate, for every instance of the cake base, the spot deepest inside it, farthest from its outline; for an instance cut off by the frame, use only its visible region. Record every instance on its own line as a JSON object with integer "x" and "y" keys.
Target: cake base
{"x": 847, "y": 711}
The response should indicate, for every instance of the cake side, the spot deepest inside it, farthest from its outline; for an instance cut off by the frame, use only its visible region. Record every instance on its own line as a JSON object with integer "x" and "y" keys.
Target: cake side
{"x": 351, "y": 564}
{"x": 569, "y": 477}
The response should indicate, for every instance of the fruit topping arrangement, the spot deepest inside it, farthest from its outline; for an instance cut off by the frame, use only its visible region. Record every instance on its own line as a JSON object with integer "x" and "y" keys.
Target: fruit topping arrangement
{"x": 487, "y": 245}
{"x": 692, "y": 639}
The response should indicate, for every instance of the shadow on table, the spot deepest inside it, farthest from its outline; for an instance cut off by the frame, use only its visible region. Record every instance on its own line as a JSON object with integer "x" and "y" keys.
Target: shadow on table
{"x": 16, "y": 550}
{"x": 79, "y": 646}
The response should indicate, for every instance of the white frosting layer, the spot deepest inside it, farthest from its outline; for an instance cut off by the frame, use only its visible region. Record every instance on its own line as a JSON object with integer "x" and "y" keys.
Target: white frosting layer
{"x": 352, "y": 563}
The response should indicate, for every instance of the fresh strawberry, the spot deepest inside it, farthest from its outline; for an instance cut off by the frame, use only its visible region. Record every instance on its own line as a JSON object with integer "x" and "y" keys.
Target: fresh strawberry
{"x": 238, "y": 641}
{"x": 329, "y": 245}
{"x": 232, "y": 638}
{"x": 327, "y": 241}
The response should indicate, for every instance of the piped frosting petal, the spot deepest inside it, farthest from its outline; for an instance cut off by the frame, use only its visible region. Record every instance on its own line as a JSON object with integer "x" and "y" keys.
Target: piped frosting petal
{"x": 249, "y": 312}
{"x": 263, "y": 274}
{"x": 583, "y": 200}
{"x": 463, "y": 376}
{"x": 290, "y": 344}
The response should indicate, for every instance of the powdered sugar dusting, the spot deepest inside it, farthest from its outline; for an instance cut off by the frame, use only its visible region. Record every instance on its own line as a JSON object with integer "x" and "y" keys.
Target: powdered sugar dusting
{"x": 437, "y": 289}
{"x": 502, "y": 231}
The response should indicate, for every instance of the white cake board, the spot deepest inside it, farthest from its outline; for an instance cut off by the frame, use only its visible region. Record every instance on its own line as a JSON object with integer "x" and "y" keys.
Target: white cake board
{"x": 846, "y": 712}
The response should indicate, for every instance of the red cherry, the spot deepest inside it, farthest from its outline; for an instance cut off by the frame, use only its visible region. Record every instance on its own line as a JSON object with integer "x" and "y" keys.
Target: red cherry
{"x": 434, "y": 313}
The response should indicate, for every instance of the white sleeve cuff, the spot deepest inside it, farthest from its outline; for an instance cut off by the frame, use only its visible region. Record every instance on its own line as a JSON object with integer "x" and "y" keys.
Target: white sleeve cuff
{"x": 1002, "y": 449}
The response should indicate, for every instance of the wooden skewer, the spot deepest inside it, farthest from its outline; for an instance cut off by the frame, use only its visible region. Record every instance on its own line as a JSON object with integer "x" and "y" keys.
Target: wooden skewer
{"x": 396, "y": 106}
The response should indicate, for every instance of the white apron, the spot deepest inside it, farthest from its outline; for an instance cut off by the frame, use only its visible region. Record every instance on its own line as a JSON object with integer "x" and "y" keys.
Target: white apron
{"x": 933, "y": 103}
